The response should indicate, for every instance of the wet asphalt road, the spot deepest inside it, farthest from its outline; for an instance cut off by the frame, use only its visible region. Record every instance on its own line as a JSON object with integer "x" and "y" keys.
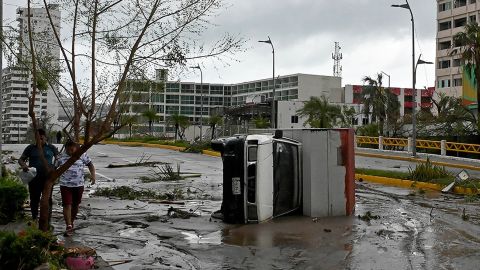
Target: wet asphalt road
{"x": 425, "y": 231}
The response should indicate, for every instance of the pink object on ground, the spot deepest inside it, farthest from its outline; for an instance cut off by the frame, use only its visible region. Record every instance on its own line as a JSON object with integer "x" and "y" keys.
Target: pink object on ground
{"x": 80, "y": 263}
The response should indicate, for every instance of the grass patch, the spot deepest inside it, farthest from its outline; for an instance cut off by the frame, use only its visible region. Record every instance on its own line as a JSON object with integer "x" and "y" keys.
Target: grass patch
{"x": 383, "y": 173}
{"x": 128, "y": 193}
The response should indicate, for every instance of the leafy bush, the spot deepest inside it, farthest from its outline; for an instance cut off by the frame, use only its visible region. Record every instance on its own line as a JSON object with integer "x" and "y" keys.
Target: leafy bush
{"x": 29, "y": 249}
{"x": 428, "y": 172}
{"x": 12, "y": 196}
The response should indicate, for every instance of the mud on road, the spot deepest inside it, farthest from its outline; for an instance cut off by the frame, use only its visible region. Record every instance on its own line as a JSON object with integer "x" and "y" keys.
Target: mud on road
{"x": 425, "y": 231}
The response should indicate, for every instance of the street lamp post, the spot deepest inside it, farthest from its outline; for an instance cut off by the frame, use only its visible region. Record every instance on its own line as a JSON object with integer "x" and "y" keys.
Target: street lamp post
{"x": 407, "y": 6}
{"x": 269, "y": 41}
{"x": 388, "y": 78}
{"x": 201, "y": 99}
{"x": 414, "y": 114}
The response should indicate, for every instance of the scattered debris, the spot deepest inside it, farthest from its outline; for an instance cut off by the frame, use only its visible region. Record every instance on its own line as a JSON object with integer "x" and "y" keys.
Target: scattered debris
{"x": 140, "y": 164}
{"x": 167, "y": 173}
{"x": 368, "y": 216}
{"x": 177, "y": 213}
{"x": 152, "y": 218}
{"x": 128, "y": 193}
{"x": 136, "y": 224}
{"x": 459, "y": 178}
{"x": 465, "y": 217}
{"x": 327, "y": 230}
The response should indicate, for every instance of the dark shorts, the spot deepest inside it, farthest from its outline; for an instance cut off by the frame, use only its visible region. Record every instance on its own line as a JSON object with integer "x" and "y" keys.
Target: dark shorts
{"x": 71, "y": 195}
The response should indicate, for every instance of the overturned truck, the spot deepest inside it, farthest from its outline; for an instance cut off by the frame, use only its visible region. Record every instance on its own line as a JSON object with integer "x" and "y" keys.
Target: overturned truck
{"x": 303, "y": 171}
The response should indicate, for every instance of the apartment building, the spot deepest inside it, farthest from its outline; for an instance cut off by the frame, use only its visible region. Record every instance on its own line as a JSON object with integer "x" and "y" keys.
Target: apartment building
{"x": 17, "y": 80}
{"x": 185, "y": 98}
{"x": 452, "y": 16}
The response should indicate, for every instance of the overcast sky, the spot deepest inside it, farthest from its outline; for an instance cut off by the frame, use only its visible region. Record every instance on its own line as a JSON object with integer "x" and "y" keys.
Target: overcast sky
{"x": 374, "y": 37}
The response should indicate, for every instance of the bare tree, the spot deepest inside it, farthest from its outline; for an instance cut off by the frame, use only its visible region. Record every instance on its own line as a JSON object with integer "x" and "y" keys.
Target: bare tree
{"x": 114, "y": 41}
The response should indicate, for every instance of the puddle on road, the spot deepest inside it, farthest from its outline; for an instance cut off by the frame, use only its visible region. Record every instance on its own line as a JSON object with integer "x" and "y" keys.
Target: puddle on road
{"x": 290, "y": 231}
{"x": 214, "y": 238}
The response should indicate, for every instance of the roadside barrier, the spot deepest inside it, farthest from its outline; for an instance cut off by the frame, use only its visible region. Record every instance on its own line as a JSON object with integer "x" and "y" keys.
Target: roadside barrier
{"x": 406, "y": 144}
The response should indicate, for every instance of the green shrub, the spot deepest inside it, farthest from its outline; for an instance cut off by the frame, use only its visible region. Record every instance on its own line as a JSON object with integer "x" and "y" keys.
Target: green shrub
{"x": 12, "y": 196}
{"x": 29, "y": 249}
{"x": 428, "y": 172}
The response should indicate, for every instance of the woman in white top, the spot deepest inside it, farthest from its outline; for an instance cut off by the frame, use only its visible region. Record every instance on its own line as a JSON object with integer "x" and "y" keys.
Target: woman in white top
{"x": 72, "y": 182}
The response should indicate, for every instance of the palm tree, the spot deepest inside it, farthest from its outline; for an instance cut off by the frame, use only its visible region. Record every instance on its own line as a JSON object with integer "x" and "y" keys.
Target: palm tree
{"x": 375, "y": 99}
{"x": 181, "y": 122}
{"x": 469, "y": 40}
{"x": 320, "y": 113}
{"x": 347, "y": 116}
{"x": 213, "y": 121}
{"x": 261, "y": 122}
{"x": 150, "y": 115}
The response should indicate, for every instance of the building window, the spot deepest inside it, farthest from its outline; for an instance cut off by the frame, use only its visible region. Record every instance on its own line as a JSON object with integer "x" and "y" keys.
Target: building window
{"x": 443, "y": 64}
{"x": 444, "y": 25}
{"x": 294, "y": 119}
{"x": 188, "y": 99}
{"x": 187, "y": 88}
{"x": 473, "y": 1}
{"x": 171, "y": 109}
{"x": 460, "y": 3}
{"x": 186, "y": 110}
{"x": 444, "y": 45}
{"x": 172, "y": 99}
{"x": 456, "y": 62}
{"x": 444, "y": 6}
{"x": 457, "y": 82}
{"x": 444, "y": 83}
{"x": 460, "y": 22}
{"x": 472, "y": 18}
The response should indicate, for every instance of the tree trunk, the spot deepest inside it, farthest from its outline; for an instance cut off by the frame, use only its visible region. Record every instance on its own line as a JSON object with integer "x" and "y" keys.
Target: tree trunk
{"x": 44, "y": 215}
{"x": 176, "y": 131}
{"x": 213, "y": 132}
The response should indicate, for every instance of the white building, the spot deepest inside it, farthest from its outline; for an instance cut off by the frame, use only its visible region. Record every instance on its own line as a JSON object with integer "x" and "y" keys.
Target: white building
{"x": 185, "y": 98}
{"x": 17, "y": 80}
{"x": 452, "y": 16}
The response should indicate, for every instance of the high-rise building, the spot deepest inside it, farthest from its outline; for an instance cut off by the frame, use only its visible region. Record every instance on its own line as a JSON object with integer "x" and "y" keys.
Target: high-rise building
{"x": 17, "y": 79}
{"x": 452, "y": 16}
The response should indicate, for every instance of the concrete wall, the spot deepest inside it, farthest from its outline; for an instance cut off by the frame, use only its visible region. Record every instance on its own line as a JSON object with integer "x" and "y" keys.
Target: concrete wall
{"x": 315, "y": 85}
{"x": 287, "y": 109}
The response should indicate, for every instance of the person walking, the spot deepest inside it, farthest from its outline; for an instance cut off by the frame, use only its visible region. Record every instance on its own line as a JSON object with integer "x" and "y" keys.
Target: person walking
{"x": 32, "y": 154}
{"x": 72, "y": 183}
{"x": 59, "y": 136}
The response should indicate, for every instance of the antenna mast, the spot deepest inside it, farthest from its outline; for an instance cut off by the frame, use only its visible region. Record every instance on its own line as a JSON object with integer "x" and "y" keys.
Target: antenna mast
{"x": 337, "y": 57}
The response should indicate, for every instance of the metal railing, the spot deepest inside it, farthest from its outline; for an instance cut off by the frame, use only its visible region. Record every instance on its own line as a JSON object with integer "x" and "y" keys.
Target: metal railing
{"x": 406, "y": 143}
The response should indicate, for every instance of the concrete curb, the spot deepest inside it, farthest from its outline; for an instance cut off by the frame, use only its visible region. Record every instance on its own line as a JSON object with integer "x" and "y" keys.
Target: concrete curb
{"x": 153, "y": 145}
{"x": 419, "y": 160}
{"x": 162, "y": 146}
{"x": 411, "y": 184}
